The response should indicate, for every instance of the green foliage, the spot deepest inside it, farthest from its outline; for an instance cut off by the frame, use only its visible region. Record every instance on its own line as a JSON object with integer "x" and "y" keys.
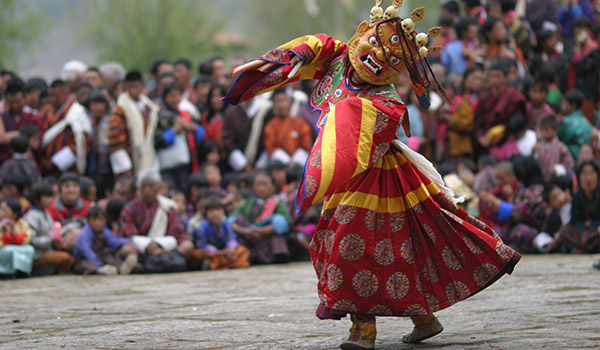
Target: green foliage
{"x": 19, "y": 26}
{"x": 136, "y": 32}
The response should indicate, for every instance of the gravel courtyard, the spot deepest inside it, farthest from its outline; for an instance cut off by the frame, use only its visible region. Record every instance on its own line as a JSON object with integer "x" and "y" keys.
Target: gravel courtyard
{"x": 550, "y": 302}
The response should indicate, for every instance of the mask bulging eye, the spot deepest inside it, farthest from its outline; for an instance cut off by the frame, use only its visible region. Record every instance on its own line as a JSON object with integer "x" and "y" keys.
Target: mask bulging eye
{"x": 373, "y": 41}
{"x": 395, "y": 39}
{"x": 395, "y": 60}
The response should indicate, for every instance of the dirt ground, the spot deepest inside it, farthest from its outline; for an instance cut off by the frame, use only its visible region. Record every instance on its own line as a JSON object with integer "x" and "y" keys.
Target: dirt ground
{"x": 550, "y": 302}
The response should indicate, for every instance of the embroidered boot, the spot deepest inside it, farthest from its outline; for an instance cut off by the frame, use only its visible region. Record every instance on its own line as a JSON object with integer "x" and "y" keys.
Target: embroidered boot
{"x": 362, "y": 334}
{"x": 425, "y": 327}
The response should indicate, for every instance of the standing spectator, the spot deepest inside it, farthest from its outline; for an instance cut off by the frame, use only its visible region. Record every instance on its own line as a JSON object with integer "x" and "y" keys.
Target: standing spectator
{"x": 132, "y": 125}
{"x": 159, "y": 67}
{"x": 569, "y": 11}
{"x": 183, "y": 72}
{"x": 47, "y": 260}
{"x": 176, "y": 138}
{"x": 216, "y": 241}
{"x": 218, "y": 70}
{"x": 473, "y": 9}
{"x": 66, "y": 129}
{"x": 574, "y": 130}
{"x": 498, "y": 41}
{"x": 212, "y": 119}
{"x": 99, "y": 157}
{"x": 153, "y": 225}
{"x": 68, "y": 204}
{"x": 541, "y": 13}
{"x": 93, "y": 77}
{"x": 83, "y": 91}
{"x": 16, "y": 254}
{"x": 34, "y": 90}
{"x": 287, "y": 138}
{"x": 15, "y": 116}
{"x": 113, "y": 74}
{"x": 462, "y": 123}
{"x": 518, "y": 27}
{"x": 72, "y": 73}
{"x": 459, "y": 54}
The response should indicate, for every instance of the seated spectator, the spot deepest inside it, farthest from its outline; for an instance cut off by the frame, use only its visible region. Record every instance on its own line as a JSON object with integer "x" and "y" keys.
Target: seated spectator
{"x": 574, "y": 130}
{"x": 125, "y": 188}
{"x": 197, "y": 217}
{"x": 515, "y": 209}
{"x": 98, "y": 250}
{"x": 13, "y": 186}
{"x": 287, "y": 138}
{"x": 68, "y": 204}
{"x": 153, "y": 225}
{"x": 179, "y": 198}
{"x": 485, "y": 180}
{"x": 558, "y": 215}
{"x": 21, "y": 163}
{"x": 196, "y": 183}
{"x": 550, "y": 153}
{"x": 586, "y": 153}
{"x": 262, "y": 221}
{"x": 212, "y": 173}
{"x": 582, "y": 234}
{"x": 524, "y": 137}
{"x": 113, "y": 213}
{"x": 277, "y": 169}
{"x": 89, "y": 190}
{"x": 47, "y": 260}
{"x": 304, "y": 224}
{"x": 215, "y": 240}
{"x": 16, "y": 254}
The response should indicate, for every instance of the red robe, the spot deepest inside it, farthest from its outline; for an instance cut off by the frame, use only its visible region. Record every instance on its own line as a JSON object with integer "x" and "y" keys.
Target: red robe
{"x": 389, "y": 242}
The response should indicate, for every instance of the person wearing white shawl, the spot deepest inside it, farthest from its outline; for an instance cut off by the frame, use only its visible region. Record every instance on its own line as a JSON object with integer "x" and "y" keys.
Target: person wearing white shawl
{"x": 132, "y": 125}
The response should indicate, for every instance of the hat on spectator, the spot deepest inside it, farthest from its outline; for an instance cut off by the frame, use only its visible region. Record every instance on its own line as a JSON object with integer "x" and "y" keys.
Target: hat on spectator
{"x": 68, "y": 176}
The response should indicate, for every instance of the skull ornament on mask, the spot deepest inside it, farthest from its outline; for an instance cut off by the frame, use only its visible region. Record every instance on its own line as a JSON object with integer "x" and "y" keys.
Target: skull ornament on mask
{"x": 367, "y": 56}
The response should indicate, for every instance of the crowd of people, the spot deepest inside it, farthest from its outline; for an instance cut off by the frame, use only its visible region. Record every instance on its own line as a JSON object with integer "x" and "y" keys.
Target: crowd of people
{"x": 108, "y": 171}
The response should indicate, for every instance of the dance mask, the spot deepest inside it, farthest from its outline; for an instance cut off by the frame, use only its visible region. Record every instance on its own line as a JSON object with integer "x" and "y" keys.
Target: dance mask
{"x": 380, "y": 50}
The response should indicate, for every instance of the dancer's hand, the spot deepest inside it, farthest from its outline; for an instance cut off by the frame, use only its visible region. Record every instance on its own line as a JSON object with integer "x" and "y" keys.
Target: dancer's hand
{"x": 258, "y": 65}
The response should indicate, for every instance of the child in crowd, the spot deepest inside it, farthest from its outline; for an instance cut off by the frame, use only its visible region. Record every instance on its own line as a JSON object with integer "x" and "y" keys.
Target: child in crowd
{"x": 215, "y": 240}
{"x": 47, "y": 260}
{"x": 98, "y": 250}
{"x": 574, "y": 130}
{"x": 194, "y": 221}
{"x": 16, "y": 254}
{"x": 113, "y": 212}
{"x": 212, "y": 172}
{"x": 196, "y": 182}
{"x": 262, "y": 221}
{"x": 537, "y": 107}
{"x": 33, "y": 135}
{"x": 525, "y": 137}
{"x": 89, "y": 190}
{"x": 552, "y": 155}
{"x": 277, "y": 170}
{"x": 179, "y": 198}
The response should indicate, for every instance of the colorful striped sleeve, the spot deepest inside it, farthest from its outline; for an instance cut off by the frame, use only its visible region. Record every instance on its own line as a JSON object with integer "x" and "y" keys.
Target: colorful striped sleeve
{"x": 316, "y": 51}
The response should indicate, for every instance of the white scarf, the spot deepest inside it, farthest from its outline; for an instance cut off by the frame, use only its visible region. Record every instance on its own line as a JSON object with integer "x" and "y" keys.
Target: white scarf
{"x": 142, "y": 143}
{"x": 256, "y": 130}
{"x": 161, "y": 218}
{"x": 76, "y": 119}
{"x": 427, "y": 169}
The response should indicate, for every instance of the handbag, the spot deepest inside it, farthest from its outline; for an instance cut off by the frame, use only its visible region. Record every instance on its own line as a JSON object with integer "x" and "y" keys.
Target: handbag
{"x": 175, "y": 155}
